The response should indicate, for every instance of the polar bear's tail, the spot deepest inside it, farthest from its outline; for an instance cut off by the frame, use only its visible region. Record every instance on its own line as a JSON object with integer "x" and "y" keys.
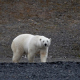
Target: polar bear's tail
{"x": 13, "y": 46}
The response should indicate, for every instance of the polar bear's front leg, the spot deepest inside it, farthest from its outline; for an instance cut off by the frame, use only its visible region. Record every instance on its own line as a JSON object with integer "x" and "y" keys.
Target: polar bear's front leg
{"x": 43, "y": 55}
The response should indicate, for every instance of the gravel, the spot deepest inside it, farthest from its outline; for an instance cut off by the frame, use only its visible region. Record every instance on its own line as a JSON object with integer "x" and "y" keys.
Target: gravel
{"x": 40, "y": 71}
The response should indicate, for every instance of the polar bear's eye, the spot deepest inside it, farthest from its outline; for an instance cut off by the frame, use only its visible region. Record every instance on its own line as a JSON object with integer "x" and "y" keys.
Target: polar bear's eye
{"x": 40, "y": 39}
{"x": 43, "y": 41}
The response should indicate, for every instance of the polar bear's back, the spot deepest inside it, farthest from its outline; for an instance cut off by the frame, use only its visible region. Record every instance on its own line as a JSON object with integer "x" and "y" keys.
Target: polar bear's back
{"x": 22, "y": 38}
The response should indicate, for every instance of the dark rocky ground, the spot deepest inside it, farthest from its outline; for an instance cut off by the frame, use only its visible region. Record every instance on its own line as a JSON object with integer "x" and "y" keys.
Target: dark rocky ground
{"x": 40, "y": 71}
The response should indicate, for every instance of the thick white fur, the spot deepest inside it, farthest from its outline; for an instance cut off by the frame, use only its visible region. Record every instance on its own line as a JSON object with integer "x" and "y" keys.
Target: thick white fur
{"x": 30, "y": 44}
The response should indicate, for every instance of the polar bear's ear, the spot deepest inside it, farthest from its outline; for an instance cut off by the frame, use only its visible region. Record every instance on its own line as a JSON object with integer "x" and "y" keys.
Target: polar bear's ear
{"x": 50, "y": 39}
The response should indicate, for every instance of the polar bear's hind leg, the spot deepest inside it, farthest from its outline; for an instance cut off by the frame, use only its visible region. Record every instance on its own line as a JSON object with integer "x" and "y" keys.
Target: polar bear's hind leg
{"x": 17, "y": 53}
{"x": 16, "y": 57}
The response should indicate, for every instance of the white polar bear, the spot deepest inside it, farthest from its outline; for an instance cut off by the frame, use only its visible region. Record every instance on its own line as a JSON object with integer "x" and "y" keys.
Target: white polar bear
{"x": 30, "y": 44}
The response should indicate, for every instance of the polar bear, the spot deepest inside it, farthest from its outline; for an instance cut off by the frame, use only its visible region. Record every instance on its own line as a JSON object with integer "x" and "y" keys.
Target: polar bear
{"x": 32, "y": 45}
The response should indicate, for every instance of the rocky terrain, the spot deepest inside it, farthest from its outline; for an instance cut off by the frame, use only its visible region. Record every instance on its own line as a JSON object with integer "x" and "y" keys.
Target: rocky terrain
{"x": 40, "y": 71}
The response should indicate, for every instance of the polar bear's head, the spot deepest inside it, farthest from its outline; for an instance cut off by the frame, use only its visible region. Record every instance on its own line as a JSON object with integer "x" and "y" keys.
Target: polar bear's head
{"x": 44, "y": 41}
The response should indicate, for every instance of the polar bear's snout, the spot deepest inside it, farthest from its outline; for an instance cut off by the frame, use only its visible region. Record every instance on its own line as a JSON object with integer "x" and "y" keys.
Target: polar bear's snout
{"x": 45, "y": 44}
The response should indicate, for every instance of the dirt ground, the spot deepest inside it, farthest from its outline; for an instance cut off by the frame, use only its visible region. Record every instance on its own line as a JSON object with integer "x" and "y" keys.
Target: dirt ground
{"x": 56, "y": 19}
